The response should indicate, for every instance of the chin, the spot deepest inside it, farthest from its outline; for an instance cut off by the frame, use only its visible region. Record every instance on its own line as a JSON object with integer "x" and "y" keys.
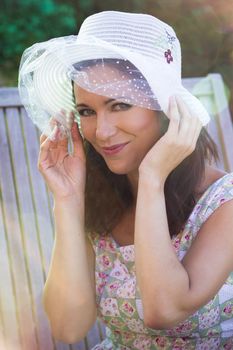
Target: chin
{"x": 117, "y": 171}
{"x": 121, "y": 169}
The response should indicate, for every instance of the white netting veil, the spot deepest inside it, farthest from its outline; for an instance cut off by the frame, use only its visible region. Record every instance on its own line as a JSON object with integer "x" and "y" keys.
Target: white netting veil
{"x": 132, "y": 57}
{"x": 115, "y": 78}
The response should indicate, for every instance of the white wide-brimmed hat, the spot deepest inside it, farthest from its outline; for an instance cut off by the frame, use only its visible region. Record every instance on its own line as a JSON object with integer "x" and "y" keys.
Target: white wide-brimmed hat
{"x": 150, "y": 73}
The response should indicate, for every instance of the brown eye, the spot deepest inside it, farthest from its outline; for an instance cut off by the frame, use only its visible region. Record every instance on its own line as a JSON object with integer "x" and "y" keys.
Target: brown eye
{"x": 86, "y": 112}
{"x": 121, "y": 106}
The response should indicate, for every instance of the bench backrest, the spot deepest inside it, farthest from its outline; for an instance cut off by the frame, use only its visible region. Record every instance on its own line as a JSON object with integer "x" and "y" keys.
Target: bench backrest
{"x": 26, "y": 223}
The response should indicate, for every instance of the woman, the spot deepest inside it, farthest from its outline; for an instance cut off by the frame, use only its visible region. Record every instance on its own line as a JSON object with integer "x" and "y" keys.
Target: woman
{"x": 143, "y": 220}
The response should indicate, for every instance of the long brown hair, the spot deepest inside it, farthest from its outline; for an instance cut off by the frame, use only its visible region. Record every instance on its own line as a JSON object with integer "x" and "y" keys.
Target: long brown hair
{"x": 109, "y": 195}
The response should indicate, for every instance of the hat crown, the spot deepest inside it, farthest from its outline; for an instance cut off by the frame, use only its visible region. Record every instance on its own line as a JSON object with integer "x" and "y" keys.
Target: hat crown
{"x": 139, "y": 33}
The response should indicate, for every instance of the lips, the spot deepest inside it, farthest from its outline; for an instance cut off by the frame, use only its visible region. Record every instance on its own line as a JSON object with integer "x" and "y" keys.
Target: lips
{"x": 114, "y": 149}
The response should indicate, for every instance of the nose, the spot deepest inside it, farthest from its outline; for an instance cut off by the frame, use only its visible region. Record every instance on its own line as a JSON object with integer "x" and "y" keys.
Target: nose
{"x": 105, "y": 127}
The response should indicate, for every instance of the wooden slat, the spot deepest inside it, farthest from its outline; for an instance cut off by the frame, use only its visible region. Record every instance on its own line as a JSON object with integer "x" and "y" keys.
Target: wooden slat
{"x": 203, "y": 89}
{"x": 31, "y": 246}
{"x": 8, "y": 320}
{"x": 9, "y": 97}
{"x": 26, "y": 223}
{"x": 198, "y": 86}
{"x": 79, "y": 346}
{"x": 23, "y": 307}
{"x": 93, "y": 336}
{"x": 44, "y": 225}
{"x": 224, "y": 121}
{"x": 38, "y": 191}
{"x": 210, "y": 90}
{"x": 213, "y": 131}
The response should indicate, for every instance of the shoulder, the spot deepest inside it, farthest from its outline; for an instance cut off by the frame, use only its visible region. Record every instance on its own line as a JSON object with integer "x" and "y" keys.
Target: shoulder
{"x": 211, "y": 177}
{"x": 218, "y": 216}
{"x": 215, "y": 205}
{"x": 218, "y": 193}
{"x": 209, "y": 259}
{"x": 212, "y": 219}
{"x": 216, "y": 189}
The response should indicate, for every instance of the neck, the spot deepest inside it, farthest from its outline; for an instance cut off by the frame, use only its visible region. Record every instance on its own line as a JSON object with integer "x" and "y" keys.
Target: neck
{"x": 133, "y": 179}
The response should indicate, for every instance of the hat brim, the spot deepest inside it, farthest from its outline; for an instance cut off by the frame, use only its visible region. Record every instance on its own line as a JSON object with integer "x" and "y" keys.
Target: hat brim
{"x": 51, "y": 84}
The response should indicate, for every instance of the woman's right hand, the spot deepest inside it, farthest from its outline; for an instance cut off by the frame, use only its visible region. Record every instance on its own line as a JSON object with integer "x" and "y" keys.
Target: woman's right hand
{"x": 64, "y": 173}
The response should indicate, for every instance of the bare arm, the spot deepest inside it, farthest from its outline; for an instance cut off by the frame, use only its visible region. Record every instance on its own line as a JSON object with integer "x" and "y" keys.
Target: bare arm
{"x": 69, "y": 293}
{"x": 173, "y": 290}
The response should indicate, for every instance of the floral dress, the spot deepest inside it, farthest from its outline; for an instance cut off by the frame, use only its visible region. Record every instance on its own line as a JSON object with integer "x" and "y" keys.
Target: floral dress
{"x": 119, "y": 302}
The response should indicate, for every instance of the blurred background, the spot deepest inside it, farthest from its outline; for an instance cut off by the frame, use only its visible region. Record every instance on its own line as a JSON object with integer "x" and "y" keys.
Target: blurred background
{"x": 204, "y": 27}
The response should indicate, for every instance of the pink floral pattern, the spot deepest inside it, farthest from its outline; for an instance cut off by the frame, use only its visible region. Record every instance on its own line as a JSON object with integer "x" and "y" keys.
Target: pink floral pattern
{"x": 142, "y": 342}
{"x": 127, "y": 290}
{"x": 210, "y": 318}
{"x": 228, "y": 310}
{"x": 136, "y": 326}
{"x": 109, "y": 307}
{"x": 127, "y": 308}
{"x": 128, "y": 253}
{"x": 113, "y": 287}
{"x": 119, "y": 302}
{"x": 168, "y": 56}
{"x": 119, "y": 271}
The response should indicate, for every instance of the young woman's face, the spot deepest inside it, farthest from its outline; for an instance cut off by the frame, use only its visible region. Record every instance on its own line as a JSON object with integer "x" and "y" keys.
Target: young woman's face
{"x": 121, "y": 133}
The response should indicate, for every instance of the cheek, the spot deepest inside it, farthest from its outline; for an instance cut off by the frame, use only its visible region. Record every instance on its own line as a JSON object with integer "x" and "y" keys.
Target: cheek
{"x": 88, "y": 128}
{"x": 147, "y": 124}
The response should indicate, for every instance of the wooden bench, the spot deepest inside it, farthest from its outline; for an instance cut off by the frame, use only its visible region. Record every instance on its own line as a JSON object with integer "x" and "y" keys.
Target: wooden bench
{"x": 26, "y": 223}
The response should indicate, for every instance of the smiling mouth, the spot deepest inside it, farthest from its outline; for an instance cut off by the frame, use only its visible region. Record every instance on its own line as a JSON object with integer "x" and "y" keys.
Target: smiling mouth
{"x": 113, "y": 149}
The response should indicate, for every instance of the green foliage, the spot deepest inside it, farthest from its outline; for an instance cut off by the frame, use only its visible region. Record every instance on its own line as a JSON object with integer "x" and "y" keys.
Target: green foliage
{"x": 23, "y": 24}
{"x": 86, "y": 5}
{"x": 204, "y": 28}
{"x": 120, "y": 5}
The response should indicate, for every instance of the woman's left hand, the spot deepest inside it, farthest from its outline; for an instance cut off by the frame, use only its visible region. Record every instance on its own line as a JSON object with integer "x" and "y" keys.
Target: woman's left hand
{"x": 175, "y": 145}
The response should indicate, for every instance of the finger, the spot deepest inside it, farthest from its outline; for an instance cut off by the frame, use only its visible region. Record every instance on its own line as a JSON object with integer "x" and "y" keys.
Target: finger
{"x": 174, "y": 116}
{"x": 51, "y": 130}
{"x": 62, "y": 138}
{"x": 198, "y": 129}
{"x": 188, "y": 121}
{"x": 182, "y": 106}
{"x": 52, "y": 123}
{"x": 188, "y": 118}
{"x": 43, "y": 137}
{"x": 77, "y": 139}
{"x": 66, "y": 129}
{"x": 190, "y": 125}
{"x": 59, "y": 136}
{"x": 52, "y": 138}
{"x": 65, "y": 119}
{"x": 69, "y": 120}
{"x": 44, "y": 151}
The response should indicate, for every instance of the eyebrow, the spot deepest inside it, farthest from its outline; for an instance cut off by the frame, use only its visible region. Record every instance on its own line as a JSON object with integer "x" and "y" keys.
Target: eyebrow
{"x": 105, "y": 103}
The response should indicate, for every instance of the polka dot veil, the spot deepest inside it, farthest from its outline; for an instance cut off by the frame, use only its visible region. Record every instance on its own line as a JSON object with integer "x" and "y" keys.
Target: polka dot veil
{"x": 115, "y": 78}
